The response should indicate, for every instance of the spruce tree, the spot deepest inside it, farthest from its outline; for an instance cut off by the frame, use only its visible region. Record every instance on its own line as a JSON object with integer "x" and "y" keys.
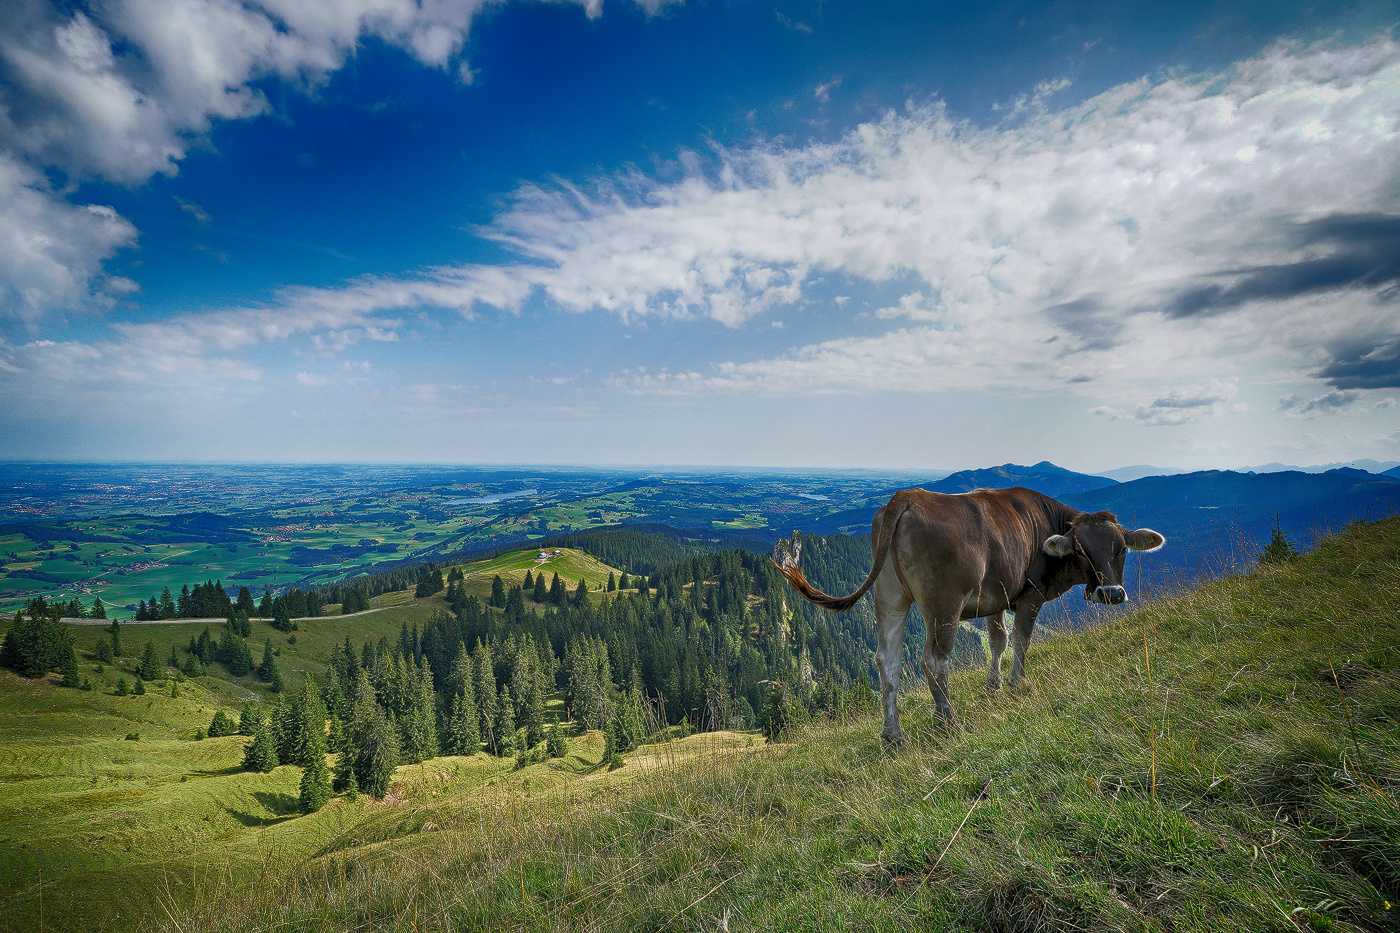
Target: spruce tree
{"x": 541, "y": 592}
{"x": 498, "y": 592}
{"x": 99, "y": 611}
{"x": 316, "y": 778}
{"x": 249, "y": 719}
{"x": 268, "y": 667}
{"x": 505, "y": 723}
{"x": 315, "y": 786}
{"x": 245, "y": 605}
{"x": 115, "y": 630}
{"x": 150, "y": 667}
{"x": 222, "y": 725}
{"x": 261, "y": 754}
{"x": 555, "y": 746}
{"x": 371, "y": 742}
{"x": 140, "y": 688}
{"x": 464, "y": 724}
{"x": 612, "y": 582}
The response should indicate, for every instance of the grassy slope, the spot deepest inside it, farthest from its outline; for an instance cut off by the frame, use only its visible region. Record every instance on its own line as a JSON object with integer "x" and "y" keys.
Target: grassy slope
{"x": 100, "y": 825}
{"x": 1225, "y": 760}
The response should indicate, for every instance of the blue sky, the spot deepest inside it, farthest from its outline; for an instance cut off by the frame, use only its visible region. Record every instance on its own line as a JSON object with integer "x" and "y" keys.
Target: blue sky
{"x": 794, "y": 234}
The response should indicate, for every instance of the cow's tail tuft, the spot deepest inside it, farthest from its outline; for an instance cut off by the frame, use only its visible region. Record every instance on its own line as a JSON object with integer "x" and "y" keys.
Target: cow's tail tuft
{"x": 791, "y": 568}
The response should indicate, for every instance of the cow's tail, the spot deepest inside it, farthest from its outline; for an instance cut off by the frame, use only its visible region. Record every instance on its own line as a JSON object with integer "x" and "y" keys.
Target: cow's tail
{"x": 793, "y": 571}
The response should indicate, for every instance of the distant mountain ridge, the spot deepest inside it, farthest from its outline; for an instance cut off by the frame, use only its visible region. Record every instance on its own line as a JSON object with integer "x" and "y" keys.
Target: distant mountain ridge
{"x": 1044, "y": 477}
{"x": 1380, "y": 467}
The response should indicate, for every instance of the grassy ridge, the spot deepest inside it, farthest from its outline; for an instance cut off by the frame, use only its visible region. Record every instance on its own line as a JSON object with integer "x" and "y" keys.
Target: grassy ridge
{"x": 1225, "y": 760}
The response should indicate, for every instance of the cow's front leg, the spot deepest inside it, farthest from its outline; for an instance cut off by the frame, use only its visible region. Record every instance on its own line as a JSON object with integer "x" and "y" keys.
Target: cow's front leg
{"x": 996, "y": 641}
{"x": 1026, "y": 611}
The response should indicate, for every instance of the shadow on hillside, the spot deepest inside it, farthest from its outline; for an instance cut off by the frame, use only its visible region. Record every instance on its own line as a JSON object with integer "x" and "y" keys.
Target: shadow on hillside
{"x": 218, "y": 772}
{"x": 280, "y": 804}
{"x": 283, "y": 807}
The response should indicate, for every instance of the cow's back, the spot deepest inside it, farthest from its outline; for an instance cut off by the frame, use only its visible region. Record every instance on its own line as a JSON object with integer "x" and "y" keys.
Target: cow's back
{"x": 981, "y": 541}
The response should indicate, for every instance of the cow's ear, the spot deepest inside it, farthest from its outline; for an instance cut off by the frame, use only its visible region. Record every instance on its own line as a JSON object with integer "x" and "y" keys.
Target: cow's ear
{"x": 1144, "y": 539}
{"x": 1058, "y": 546}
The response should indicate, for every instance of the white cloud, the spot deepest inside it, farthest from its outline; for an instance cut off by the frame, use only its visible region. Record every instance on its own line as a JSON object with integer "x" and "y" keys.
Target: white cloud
{"x": 121, "y": 92}
{"x": 51, "y": 251}
{"x": 1118, "y": 245}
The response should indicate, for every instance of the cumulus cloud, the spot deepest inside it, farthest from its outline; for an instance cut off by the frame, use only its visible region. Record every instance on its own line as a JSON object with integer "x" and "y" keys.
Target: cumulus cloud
{"x": 51, "y": 250}
{"x": 121, "y": 91}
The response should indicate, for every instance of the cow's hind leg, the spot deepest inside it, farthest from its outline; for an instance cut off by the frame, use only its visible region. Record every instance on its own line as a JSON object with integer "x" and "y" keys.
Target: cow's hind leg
{"x": 891, "y": 607}
{"x": 996, "y": 641}
{"x": 937, "y": 659}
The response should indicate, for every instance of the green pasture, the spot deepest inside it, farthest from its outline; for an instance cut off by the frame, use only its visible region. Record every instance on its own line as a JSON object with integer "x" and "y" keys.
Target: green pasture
{"x": 1227, "y": 759}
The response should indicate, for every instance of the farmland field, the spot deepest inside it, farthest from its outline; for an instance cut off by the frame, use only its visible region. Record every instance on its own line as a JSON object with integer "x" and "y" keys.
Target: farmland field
{"x": 122, "y": 533}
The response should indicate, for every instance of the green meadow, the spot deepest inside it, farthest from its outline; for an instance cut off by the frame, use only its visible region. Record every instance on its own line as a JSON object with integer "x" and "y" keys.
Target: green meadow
{"x": 1226, "y": 759}
{"x": 112, "y": 804}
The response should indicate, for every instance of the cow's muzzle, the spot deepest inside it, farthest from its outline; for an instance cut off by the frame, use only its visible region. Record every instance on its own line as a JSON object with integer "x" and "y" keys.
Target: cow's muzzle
{"x": 1109, "y": 595}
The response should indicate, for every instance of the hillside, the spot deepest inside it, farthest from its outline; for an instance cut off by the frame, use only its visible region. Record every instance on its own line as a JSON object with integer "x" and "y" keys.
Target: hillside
{"x": 1225, "y": 760}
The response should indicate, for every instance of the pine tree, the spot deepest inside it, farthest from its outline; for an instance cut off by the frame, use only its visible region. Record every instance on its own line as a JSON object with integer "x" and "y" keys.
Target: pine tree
{"x": 116, "y": 632}
{"x": 581, "y": 593}
{"x": 140, "y": 688}
{"x": 623, "y": 583}
{"x": 249, "y": 719}
{"x": 463, "y": 724}
{"x": 612, "y": 582}
{"x": 69, "y": 666}
{"x": 555, "y": 746}
{"x": 541, "y": 593}
{"x": 505, "y": 722}
{"x": 150, "y": 667}
{"x": 123, "y": 688}
{"x": 498, "y": 592}
{"x": 315, "y": 786}
{"x": 556, "y": 591}
{"x": 222, "y": 725}
{"x": 487, "y": 702}
{"x": 371, "y": 742}
{"x": 268, "y": 667}
{"x": 166, "y": 609}
{"x": 245, "y": 605}
{"x": 281, "y": 618}
{"x": 261, "y": 754}
{"x": 99, "y": 611}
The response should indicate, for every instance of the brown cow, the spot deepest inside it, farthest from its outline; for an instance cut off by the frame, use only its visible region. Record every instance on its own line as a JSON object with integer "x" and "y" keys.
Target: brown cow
{"x": 973, "y": 555}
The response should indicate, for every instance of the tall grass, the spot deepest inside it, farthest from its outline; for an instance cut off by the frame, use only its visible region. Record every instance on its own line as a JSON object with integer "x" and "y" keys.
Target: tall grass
{"x": 1226, "y": 759}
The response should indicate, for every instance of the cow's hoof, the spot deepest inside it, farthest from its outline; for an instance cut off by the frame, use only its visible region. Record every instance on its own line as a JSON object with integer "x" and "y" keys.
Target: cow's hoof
{"x": 993, "y": 686}
{"x": 892, "y": 738}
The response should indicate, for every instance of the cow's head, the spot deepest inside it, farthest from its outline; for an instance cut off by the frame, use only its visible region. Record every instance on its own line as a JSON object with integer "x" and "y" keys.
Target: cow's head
{"x": 1098, "y": 547}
